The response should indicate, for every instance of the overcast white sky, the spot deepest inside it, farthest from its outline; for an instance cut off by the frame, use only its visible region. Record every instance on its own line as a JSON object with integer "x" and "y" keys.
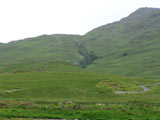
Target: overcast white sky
{"x": 28, "y": 18}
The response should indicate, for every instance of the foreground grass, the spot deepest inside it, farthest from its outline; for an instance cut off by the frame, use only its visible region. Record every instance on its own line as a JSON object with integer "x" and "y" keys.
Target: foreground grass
{"x": 76, "y": 95}
{"x": 92, "y": 111}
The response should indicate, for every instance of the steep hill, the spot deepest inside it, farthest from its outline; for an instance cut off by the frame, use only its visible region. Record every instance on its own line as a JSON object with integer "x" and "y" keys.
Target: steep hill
{"x": 129, "y": 47}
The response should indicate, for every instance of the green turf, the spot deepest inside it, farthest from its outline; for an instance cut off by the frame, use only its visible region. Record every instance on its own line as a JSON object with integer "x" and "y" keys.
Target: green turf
{"x": 78, "y": 86}
{"x": 76, "y": 95}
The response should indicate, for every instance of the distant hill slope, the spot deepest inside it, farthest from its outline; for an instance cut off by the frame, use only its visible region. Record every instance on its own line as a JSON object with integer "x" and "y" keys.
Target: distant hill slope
{"x": 130, "y": 47}
{"x": 40, "y": 67}
{"x": 40, "y": 49}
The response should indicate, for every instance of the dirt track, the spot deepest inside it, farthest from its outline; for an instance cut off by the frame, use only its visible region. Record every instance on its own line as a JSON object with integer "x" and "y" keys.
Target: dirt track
{"x": 145, "y": 89}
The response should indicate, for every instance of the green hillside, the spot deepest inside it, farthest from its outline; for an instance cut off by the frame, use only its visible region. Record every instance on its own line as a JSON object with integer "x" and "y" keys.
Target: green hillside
{"x": 128, "y": 47}
{"x": 90, "y": 77}
{"x": 40, "y": 67}
{"x": 41, "y": 49}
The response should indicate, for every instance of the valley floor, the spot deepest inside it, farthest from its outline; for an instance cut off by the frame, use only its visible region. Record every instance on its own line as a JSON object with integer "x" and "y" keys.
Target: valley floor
{"x": 77, "y": 95}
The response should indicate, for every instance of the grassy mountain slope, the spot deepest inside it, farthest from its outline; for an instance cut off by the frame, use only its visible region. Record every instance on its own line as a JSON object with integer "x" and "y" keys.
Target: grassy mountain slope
{"x": 39, "y": 67}
{"x": 40, "y": 77}
{"x": 40, "y": 49}
{"x": 129, "y": 46}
